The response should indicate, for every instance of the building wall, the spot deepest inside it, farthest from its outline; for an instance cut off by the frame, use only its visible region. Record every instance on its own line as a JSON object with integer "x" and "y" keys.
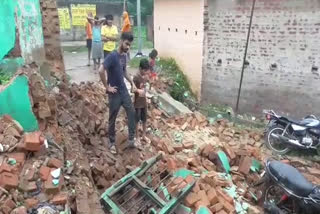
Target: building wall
{"x": 178, "y": 33}
{"x": 21, "y": 23}
{"x": 284, "y": 46}
{"x": 51, "y": 32}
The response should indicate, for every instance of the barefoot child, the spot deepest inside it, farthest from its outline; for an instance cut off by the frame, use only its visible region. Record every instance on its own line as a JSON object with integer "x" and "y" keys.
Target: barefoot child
{"x": 140, "y": 99}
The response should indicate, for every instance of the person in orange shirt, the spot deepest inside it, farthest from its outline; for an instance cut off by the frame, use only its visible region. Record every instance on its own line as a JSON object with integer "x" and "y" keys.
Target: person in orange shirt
{"x": 89, "y": 37}
{"x": 126, "y": 28}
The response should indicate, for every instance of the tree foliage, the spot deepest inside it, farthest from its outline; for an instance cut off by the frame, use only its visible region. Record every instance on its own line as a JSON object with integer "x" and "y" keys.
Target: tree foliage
{"x": 146, "y": 7}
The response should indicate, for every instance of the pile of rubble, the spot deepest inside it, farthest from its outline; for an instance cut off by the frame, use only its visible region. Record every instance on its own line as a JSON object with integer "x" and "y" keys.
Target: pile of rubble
{"x": 26, "y": 172}
{"x": 66, "y": 166}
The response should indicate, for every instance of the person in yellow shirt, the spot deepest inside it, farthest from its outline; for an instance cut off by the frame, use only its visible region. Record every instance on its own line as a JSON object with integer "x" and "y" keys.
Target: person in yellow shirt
{"x": 109, "y": 34}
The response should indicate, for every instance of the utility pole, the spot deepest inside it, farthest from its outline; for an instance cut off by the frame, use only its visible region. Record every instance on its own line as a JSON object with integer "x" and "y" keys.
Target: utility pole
{"x": 139, "y": 54}
{"x": 245, "y": 55}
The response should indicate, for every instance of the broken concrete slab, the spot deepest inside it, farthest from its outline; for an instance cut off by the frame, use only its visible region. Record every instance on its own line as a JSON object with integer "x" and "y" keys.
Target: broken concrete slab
{"x": 171, "y": 106}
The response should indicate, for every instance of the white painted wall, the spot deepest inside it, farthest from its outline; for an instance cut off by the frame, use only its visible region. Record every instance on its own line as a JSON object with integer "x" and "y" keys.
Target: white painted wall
{"x": 178, "y": 32}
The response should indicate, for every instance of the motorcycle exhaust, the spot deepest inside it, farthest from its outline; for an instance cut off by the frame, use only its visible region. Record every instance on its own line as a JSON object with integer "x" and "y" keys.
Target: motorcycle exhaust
{"x": 287, "y": 140}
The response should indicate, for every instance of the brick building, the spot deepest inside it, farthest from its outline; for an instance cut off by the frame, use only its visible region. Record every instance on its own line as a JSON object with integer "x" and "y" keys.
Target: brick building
{"x": 283, "y": 55}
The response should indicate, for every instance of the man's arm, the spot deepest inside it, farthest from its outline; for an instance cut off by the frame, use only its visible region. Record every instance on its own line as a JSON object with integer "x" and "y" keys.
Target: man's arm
{"x": 129, "y": 78}
{"x": 101, "y": 21}
{"x": 103, "y": 76}
{"x": 110, "y": 38}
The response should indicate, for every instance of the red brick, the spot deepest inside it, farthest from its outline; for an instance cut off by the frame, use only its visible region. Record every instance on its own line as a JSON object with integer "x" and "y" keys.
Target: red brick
{"x": 177, "y": 180}
{"x": 222, "y": 196}
{"x": 222, "y": 212}
{"x": 172, "y": 165}
{"x": 228, "y": 207}
{"x": 207, "y": 149}
{"x": 167, "y": 148}
{"x": 55, "y": 163}
{"x": 196, "y": 188}
{"x": 229, "y": 152}
{"x": 8, "y": 180}
{"x": 31, "y": 186}
{"x": 20, "y": 157}
{"x": 5, "y": 210}
{"x": 203, "y": 197}
{"x": 245, "y": 164}
{"x": 216, "y": 208}
{"x": 60, "y": 199}
{"x": 314, "y": 171}
{"x": 19, "y": 210}
{"x": 31, "y": 202}
{"x": 50, "y": 188}
{"x": 9, "y": 203}
{"x": 32, "y": 141}
{"x": 191, "y": 199}
{"x": 212, "y": 196}
{"x": 189, "y": 179}
{"x": 178, "y": 147}
{"x": 188, "y": 145}
{"x": 6, "y": 167}
{"x": 44, "y": 172}
{"x": 286, "y": 161}
{"x": 193, "y": 162}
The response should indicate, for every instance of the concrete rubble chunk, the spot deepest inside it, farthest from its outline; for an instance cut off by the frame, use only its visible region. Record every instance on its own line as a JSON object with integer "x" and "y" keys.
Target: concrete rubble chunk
{"x": 171, "y": 106}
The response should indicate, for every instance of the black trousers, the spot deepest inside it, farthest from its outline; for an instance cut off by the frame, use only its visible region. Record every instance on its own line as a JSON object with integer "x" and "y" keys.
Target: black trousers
{"x": 121, "y": 98}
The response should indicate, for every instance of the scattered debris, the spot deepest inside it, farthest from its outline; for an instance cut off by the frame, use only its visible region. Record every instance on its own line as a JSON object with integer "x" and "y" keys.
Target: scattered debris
{"x": 65, "y": 166}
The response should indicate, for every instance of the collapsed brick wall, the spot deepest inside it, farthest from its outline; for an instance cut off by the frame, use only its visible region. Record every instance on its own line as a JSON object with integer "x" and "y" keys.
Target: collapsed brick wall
{"x": 283, "y": 49}
{"x": 51, "y": 33}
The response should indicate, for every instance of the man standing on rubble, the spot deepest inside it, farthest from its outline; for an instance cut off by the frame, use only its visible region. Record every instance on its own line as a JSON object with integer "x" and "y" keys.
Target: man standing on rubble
{"x": 115, "y": 67}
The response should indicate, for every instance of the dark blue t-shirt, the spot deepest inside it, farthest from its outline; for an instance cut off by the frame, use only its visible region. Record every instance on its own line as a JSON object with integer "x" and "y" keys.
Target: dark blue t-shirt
{"x": 116, "y": 66}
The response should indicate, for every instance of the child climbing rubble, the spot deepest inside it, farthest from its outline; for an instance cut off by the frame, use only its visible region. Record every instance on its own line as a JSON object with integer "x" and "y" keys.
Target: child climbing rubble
{"x": 140, "y": 99}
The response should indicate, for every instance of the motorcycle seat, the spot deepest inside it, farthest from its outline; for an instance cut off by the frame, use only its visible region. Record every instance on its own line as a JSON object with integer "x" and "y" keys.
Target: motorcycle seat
{"x": 308, "y": 122}
{"x": 291, "y": 178}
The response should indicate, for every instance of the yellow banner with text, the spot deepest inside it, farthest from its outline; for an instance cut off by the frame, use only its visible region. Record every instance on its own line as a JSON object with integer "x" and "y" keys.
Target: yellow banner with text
{"x": 64, "y": 18}
{"x": 80, "y": 12}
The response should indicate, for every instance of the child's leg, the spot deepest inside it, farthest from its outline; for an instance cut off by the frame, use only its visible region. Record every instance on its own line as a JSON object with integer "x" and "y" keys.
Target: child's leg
{"x": 138, "y": 116}
{"x": 144, "y": 126}
{"x": 99, "y": 62}
{"x": 144, "y": 123}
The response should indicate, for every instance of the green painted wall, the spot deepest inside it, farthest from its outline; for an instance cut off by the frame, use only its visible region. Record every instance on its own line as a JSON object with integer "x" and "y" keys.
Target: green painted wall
{"x": 7, "y": 27}
{"x": 14, "y": 100}
{"x": 25, "y": 17}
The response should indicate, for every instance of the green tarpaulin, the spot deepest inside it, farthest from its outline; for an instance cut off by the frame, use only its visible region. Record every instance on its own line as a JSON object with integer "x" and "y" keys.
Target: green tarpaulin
{"x": 14, "y": 101}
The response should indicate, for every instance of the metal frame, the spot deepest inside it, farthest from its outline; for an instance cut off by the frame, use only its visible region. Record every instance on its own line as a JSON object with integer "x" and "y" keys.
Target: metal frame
{"x": 146, "y": 195}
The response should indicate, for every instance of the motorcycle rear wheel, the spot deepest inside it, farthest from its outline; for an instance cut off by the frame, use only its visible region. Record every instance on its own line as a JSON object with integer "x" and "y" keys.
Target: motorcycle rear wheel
{"x": 273, "y": 195}
{"x": 275, "y": 144}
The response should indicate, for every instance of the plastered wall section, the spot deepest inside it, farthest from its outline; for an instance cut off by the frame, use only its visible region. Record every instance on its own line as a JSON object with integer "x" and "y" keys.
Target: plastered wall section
{"x": 29, "y": 23}
{"x": 25, "y": 16}
{"x": 178, "y": 33}
{"x": 283, "y": 48}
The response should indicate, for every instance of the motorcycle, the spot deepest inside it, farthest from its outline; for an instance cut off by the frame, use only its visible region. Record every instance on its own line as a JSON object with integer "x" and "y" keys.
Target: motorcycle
{"x": 287, "y": 191}
{"x": 282, "y": 133}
